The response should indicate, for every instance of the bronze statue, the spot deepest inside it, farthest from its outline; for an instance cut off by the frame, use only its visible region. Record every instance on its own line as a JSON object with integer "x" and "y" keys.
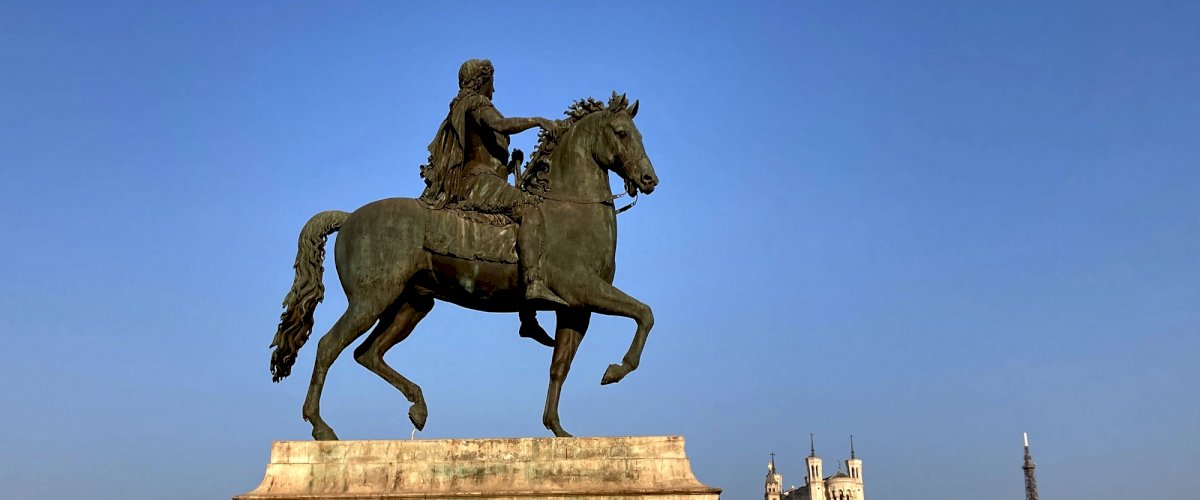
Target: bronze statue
{"x": 460, "y": 243}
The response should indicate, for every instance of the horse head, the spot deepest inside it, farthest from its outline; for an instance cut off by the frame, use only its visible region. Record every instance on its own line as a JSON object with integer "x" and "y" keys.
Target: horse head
{"x": 619, "y": 148}
{"x": 599, "y": 134}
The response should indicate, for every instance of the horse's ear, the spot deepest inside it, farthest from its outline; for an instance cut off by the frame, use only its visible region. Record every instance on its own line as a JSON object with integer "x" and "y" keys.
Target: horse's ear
{"x": 633, "y": 109}
{"x": 617, "y": 102}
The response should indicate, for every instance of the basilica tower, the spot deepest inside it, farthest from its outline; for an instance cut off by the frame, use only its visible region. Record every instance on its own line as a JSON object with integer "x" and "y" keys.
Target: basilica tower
{"x": 854, "y": 465}
{"x": 774, "y": 483}
{"x": 846, "y": 485}
{"x": 814, "y": 481}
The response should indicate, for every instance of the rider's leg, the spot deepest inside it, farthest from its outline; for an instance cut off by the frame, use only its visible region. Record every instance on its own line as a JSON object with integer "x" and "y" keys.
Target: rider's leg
{"x": 493, "y": 194}
{"x": 529, "y": 250}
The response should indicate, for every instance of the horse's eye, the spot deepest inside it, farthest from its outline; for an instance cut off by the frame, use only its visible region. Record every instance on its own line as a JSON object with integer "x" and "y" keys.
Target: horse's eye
{"x": 623, "y": 133}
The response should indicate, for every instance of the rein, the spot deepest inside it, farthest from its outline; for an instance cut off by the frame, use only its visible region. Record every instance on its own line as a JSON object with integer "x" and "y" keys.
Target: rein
{"x": 608, "y": 200}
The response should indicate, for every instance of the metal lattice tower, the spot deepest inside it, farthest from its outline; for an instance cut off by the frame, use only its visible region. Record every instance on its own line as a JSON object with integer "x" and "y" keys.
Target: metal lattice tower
{"x": 1030, "y": 478}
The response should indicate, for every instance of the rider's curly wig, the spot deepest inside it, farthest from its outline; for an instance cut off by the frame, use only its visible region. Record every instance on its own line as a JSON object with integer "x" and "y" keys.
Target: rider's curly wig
{"x": 473, "y": 74}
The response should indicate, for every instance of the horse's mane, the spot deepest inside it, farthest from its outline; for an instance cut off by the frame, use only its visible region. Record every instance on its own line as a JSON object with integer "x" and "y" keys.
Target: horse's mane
{"x": 539, "y": 162}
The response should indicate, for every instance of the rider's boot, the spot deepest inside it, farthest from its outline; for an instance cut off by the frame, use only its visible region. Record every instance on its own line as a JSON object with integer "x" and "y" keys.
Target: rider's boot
{"x": 536, "y": 289}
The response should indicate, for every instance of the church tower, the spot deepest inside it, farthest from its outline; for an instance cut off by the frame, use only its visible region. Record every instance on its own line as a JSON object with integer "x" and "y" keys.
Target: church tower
{"x": 814, "y": 480}
{"x": 1030, "y": 478}
{"x": 854, "y": 465}
{"x": 774, "y": 484}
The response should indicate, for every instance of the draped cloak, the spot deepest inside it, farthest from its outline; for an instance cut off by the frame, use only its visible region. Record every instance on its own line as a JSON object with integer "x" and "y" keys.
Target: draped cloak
{"x": 445, "y": 174}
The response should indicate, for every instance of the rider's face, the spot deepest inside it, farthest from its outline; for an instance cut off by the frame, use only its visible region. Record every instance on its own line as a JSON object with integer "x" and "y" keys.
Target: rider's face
{"x": 489, "y": 88}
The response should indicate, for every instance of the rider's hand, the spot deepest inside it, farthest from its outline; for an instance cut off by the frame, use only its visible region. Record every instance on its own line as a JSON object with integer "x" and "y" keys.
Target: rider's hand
{"x": 515, "y": 160}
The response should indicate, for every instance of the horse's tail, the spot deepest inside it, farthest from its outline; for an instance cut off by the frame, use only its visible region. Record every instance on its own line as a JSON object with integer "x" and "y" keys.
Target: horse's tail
{"x": 296, "y": 322}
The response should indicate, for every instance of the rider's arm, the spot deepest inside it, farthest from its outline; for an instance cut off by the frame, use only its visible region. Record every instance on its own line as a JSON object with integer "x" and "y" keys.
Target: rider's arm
{"x": 489, "y": 117}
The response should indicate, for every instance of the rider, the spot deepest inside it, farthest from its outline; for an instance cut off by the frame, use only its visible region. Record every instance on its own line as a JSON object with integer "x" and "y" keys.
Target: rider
{"x": 469, "y": 166}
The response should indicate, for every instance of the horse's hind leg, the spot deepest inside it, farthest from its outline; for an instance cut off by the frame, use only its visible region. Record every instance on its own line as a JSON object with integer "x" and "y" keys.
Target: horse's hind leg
{"x": 572, "y": 325}
{"x": 356, "y": 320}
{"x": 391, "y": 330}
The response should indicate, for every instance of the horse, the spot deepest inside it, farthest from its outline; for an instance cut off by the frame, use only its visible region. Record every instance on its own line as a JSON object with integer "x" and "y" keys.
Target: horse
{"x": 391, "y": 280}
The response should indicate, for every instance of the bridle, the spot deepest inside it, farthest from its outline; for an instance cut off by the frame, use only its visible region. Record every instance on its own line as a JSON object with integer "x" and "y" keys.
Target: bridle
{"x": 607, "y": 200}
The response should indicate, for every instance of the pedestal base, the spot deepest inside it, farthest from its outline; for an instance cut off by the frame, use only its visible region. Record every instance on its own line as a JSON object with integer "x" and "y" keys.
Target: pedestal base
{"x": 652, "y": 467}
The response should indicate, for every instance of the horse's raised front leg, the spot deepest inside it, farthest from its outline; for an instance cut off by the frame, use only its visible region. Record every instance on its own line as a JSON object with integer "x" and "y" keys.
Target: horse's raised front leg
{"x": 356, "y": 320}
{"x": 572, "y": 325}
{"x": 393, "y": 329}
{"x": 604, "y": 298}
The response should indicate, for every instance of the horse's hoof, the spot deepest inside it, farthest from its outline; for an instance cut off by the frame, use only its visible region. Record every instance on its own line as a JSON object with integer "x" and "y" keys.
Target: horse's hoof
{"x": 556, "y": 428}
{"x": 417, "y": 414}
{"x": 324, "y": 434}
{"x": 612, "y": 375}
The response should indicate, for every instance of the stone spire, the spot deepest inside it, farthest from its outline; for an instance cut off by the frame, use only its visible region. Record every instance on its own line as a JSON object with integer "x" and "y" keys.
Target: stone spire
{"x": 773, "y": 487}
{"x": 813, "y": 478}
{"x": 1030, "y": 478}
{"x": 854, "y": 464}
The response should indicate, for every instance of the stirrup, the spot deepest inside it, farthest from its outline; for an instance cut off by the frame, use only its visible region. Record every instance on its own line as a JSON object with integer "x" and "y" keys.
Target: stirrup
{"x": 537, "y": 290}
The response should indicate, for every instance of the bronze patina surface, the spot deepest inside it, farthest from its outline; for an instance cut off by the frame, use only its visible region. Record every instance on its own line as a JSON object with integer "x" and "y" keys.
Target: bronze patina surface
{"x": 472, "y": 239}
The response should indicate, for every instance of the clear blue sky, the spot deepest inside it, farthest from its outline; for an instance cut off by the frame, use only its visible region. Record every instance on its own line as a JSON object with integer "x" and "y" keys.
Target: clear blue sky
{"x": 933, "y": 225}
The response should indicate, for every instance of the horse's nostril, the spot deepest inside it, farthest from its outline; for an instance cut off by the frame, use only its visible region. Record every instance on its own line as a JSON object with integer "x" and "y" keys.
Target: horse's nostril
{"x": 648, "y": 179}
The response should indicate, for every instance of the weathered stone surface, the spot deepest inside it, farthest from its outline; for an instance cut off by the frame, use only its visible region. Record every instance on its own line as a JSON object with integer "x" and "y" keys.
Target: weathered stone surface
{"x": 652, "y": 467}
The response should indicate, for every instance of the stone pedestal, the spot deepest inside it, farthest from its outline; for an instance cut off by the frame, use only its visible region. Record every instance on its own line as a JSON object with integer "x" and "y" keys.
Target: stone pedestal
{"x": 652, "y": 467}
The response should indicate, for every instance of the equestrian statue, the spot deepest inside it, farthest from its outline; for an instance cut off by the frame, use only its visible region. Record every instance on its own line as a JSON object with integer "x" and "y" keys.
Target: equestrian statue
{"x": 547, "y": 243}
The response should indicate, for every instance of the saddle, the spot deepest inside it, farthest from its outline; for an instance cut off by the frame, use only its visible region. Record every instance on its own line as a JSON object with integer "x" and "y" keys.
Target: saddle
{"x": 471, "y": 235}
{"x": 474, "y": 235}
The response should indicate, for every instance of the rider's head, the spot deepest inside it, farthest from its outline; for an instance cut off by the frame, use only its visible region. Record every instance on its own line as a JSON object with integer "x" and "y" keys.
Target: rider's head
{"x": 475, "y": 76}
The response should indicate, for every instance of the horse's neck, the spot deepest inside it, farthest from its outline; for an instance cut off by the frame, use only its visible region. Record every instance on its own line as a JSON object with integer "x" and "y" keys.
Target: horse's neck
{"x": 575, "y": 175}
{"x": 573, "y": 172}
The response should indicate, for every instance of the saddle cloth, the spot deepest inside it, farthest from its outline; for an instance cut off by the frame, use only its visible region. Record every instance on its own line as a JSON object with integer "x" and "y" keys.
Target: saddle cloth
{"x": 471, "y": 235}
